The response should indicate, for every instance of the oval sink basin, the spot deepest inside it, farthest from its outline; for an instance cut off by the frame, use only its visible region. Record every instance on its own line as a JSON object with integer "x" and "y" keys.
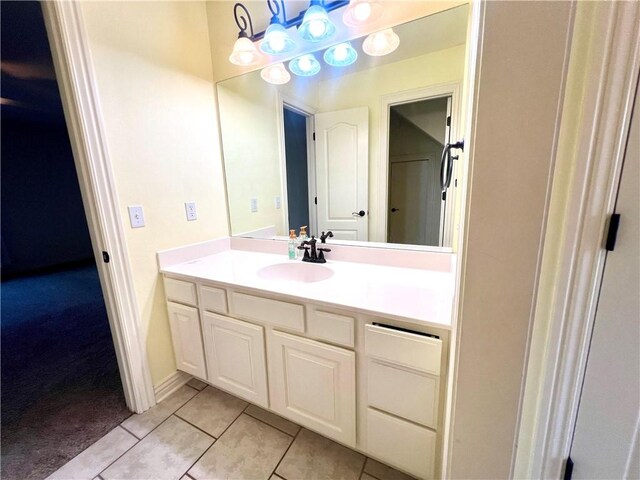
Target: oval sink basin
{"x": 296, "y": 272}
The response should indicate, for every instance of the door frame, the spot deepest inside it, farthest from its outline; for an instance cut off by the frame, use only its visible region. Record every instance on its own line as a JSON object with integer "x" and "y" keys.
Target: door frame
{"x": 309, "y": 112}
{"x": 611, "y": 82}
{"x": 450, "y": 89}
{"x": 78, "y": 91}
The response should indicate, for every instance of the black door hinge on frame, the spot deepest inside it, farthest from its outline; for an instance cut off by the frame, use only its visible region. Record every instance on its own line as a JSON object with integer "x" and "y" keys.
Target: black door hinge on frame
{"x": 568, "y": 469}
{"x": 314, "y": 136}
{"x": 612, "y": 234}
{"x": 105, "y": 257}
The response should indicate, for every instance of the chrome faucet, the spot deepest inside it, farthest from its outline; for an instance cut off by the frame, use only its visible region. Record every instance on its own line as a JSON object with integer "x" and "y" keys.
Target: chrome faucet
{"x": 313, "y": 254}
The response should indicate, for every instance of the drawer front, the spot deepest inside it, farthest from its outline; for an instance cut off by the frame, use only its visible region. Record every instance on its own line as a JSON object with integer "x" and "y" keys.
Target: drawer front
{"x": 405, "y": 393}
{"x": 273, "y": 312}
{"x": 331, "y": 327}
{"x": 407, "y": 349}
{"x": 213, "y": 299}
{"x": 180, "y": 291}
{"x": 401, "y": 444}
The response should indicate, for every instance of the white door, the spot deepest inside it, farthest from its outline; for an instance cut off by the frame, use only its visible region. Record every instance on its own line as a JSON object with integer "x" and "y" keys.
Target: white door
{"x": 314, "y": 384}
{"x": 606, "y": 443}
{"x": 342, "y": 173}
{"x": 235, "y": 357}
{"x": 187, "y": 339}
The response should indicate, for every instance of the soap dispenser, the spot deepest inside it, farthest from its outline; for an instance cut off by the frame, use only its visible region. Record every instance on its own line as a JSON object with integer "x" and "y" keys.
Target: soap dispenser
{"x": 303, "y": 236}
{"x": 293, "y": 250}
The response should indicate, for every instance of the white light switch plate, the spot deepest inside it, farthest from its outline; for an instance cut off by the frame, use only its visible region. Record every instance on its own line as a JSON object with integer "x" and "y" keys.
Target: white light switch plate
{"x": 277, "y": 202}
{"x": 136, "y": 216}
{"x": 190, "y": 209}
{"x": 254, "y": 205}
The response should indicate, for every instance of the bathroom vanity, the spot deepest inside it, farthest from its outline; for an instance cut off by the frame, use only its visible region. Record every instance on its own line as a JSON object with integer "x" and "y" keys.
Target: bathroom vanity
{"x": 357, "y": 352}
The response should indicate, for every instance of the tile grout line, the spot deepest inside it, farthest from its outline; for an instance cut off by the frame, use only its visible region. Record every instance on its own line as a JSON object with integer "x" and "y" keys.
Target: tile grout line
{"x": 364, "y": 464}
{"x": 285, "y": 454}
{"x": 214, "y": 442}
{"x": 194, "y": 426}
{"x": 273, "y": 426}
{"x": 145, "y": 436}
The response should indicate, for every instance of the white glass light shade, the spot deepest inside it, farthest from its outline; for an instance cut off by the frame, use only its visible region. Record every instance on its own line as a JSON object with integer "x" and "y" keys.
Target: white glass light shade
{"x": 275, "y": 74}
{"x": 305, "y": 65}
{"x": 316, "y": 25}
{"x": 277, "y": 40}
{"x": 361, "y": 12}
{"x": 381, "y": 43}
{"x": 340, "y": 55}
{"x": 244, "y": 52}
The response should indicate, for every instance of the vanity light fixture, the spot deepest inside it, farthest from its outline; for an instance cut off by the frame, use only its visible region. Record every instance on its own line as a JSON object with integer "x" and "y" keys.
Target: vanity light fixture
{"x": 244, "y": 50}
{"x": 316, "y": 25}
{"x": 361, "y": 12}
{"x": 276, "y": 38}
{"x": 340, "y": 55}
{"x": 305, "y": 65}
{"x": 381, "y": 43}
{"x": 275, "y": 74}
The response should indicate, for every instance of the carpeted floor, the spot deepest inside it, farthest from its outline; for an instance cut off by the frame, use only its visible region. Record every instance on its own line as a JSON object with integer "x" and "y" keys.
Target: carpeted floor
{"x": 61, "y": 388}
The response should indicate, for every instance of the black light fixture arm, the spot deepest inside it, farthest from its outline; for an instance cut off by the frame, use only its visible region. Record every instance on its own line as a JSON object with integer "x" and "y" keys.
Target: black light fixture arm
{"x": 243, "y": 20}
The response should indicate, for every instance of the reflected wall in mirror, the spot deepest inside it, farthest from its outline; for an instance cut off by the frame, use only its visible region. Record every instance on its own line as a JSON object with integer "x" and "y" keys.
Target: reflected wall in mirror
{"x": 355, "y": 150}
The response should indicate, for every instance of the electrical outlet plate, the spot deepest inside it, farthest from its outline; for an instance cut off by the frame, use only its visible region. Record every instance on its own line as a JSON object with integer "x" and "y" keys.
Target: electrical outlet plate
{"x": 190, "y": 210}
{"x": 136, "y": 216}
{"x": 277, "y": 202}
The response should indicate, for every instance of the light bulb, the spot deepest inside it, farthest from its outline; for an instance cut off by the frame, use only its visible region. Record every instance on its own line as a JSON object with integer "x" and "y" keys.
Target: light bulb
{"x": 246, "y": 57}
{"x": 277, "y": 44}
{"x": 275, "y": 74}
{"x": 305, "y": 64}
{"x": 340, "y": 52}
{"x": 381, "y": 43}
{"x": 316, "y": 28}
{"x": 362, "y": 11}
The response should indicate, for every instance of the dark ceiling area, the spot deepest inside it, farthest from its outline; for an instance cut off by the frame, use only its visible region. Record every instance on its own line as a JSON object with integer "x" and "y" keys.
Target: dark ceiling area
{"x": 28, "y": 87}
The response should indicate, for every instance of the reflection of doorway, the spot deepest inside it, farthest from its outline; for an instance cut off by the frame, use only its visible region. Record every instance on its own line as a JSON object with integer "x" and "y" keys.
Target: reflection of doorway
{"x": 295, "y": 146}
{"x": 417, "y": 134}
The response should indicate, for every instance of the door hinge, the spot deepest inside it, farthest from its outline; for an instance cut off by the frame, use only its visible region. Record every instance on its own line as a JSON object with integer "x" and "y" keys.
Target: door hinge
{"x": 315, "y": 200}
{"x": 444, "y": 196}
{"x": 314, "y": 136}
{"x": 612, "y": 234}
{"x": 105, "y": 257}
{"x": 568, "y": 469}
{"x": 448, "y": 121}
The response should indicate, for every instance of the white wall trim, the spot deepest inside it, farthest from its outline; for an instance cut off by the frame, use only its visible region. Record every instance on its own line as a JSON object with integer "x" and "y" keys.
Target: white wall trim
{"x": 386, "y": 101}
{"x": 170, "y": 384}
{"x": 78, "y": 90}
{"x": 612, "y": 78}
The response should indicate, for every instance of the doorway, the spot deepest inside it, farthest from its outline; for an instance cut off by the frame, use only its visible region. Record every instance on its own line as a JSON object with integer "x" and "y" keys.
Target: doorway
{"x": 297, "y": 168}
{"x": 418, "y": 132}
{"x": 60, "y": 377}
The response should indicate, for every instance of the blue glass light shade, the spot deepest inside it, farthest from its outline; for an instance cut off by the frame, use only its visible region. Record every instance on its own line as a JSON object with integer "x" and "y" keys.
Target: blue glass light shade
{"x": 305, "y": 65}
{"x": 276, "y": 40}
{"x": 316, "y": 25}
{"x": 340, "y": 55}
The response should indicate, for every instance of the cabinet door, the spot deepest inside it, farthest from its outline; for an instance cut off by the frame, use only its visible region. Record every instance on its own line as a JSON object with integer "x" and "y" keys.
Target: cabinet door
{"x": 235, "y": 357}
{"x": 314, "y": 384}
{"x": 187, "y": 339}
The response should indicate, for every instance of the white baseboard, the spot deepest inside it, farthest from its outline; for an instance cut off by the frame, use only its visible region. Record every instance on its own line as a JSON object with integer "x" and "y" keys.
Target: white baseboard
{"x": 170, "y": 384}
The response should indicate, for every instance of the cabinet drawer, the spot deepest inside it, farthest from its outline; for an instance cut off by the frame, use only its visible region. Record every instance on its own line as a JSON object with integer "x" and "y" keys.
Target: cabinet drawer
{"x": 180, "y": 291}
{"x": 401, "y": 444}
{"x": 213, "y": 299}
{"x": 331, "y": 327}
{"x": 273, "y": 312}
{"x": 408, "y": 349}
{"x": 405, "y": 393}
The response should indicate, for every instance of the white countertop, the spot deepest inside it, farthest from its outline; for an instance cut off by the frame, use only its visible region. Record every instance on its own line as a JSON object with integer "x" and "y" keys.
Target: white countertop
{"x": 414, "y": 295}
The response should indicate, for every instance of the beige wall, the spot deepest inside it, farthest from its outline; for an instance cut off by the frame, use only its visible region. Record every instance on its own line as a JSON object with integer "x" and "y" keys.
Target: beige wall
{"x": 517, "y": 102}
{"x": 563, "y": 176}
{"x": 366, "y": 89}
{"x": 153, "y": 68}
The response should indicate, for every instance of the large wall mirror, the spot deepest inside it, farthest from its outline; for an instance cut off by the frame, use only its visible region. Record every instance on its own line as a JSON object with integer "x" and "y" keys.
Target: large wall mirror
{"x": 356, "y": 149}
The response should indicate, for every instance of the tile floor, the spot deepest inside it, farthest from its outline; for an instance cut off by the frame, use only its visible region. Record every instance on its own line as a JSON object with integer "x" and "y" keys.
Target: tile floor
{"x": 200, "y": 432}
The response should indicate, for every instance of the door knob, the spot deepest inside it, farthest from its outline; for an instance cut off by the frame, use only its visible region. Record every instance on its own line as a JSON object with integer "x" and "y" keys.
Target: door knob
{"x": 361, "y": 213}
{"x": 394, "y": 209}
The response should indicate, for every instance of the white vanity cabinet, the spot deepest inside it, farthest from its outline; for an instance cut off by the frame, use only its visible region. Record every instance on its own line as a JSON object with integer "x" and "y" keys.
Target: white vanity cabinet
{"x": 373, "y": 384}
{"x": 236, "y": 357}
{"x": 187, "y": 339}
{"x": 314, "y": 384}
